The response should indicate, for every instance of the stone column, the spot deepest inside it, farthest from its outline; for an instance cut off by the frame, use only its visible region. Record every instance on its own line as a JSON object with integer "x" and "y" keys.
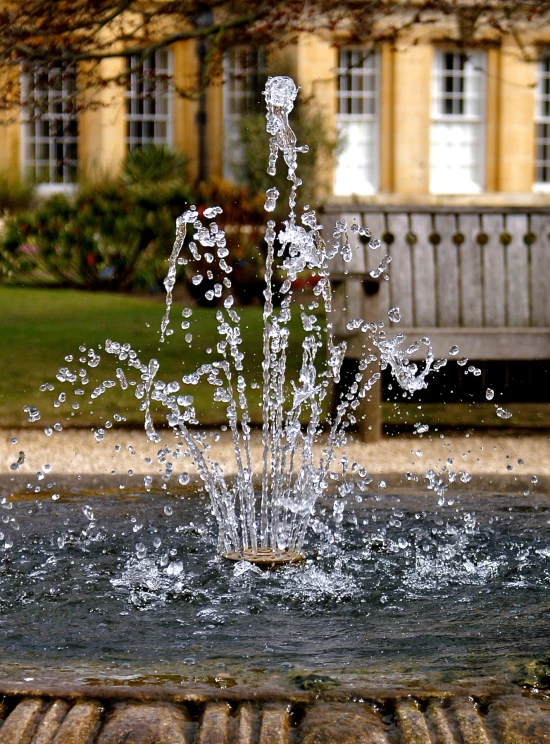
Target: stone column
{"x": 411, "y": 166}
{"x": 516, "y": 119}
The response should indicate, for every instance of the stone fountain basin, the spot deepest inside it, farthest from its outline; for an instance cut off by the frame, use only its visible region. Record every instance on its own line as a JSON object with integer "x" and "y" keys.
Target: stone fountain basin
{"x": 244, "y": 715}
{"x": 395, "y": 670}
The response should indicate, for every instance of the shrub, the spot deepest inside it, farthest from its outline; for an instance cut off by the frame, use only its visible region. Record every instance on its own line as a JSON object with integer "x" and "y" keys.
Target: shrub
{"x": 117, "y": 234}
{"x": 113, "y": 235}
{"x": 15, "y": 195}
{"x": 154, "y": 164}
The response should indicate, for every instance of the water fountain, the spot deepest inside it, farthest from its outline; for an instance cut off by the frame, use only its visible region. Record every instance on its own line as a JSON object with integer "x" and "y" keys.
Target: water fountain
{"x": 272, "y": 529}
{"x": 357, "y": 601}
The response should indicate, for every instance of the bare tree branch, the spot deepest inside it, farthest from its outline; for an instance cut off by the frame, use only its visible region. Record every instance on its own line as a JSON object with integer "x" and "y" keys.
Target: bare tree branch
{"x": 65, "y": 33}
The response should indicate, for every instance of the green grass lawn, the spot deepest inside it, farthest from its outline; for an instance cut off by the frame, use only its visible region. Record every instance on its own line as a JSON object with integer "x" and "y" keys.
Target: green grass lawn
{"x": 41, "y": 327}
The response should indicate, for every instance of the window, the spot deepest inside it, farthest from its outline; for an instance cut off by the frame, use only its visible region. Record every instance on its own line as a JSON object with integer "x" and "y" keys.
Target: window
{"x": 457, "y": 132}
{"x": 542, "y": 126}
{"x": 357, "y": 121}
{"x": 50, "y": 125}
{"x": 148, "y": 101}
{"x": 245, "y": 76}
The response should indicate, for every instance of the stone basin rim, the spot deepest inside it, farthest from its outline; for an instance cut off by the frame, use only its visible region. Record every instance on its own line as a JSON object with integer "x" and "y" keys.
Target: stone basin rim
{"x": 106, "y": 714}
{"x": 203, "y": 692}
{"x": 482, "y": 483}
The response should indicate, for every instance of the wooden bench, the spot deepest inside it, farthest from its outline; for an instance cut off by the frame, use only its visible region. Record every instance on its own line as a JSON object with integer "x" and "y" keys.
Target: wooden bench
{"x": 475, "y": 278}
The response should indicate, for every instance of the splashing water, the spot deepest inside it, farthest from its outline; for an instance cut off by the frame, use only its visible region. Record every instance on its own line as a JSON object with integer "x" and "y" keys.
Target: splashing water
{"x": 292, "y": 478}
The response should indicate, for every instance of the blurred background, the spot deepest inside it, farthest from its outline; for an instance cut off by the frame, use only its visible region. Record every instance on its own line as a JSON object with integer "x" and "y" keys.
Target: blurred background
{"x": 428, "y": 125}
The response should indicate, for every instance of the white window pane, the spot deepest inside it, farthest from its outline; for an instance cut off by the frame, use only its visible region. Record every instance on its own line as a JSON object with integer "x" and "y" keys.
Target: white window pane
{"x": 149, "y": 101}
{"x": 457, "y": 134}
{"x": 456, "y": 158}
{"x": 357, "y": 120}
{"x": 542, "y": 126}
{"x": 355, "y": 171}
{"x": 50, "y": 129}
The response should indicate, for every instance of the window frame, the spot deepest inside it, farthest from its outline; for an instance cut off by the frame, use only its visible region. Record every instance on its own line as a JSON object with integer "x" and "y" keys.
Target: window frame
{"x": 542, "y": 119}
{"x": 136, "y": 92}
{"x": 42, "y": 100}
{"x": 478, "y": 119}
{"x": 373, "y": 180}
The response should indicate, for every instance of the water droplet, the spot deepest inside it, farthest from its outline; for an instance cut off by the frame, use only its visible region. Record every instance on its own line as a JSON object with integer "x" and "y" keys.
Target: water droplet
{"x": 141, "y": 551}
{"x": 88, "y": 512}
{"x": 394, "y": 314}
{"x": 168, "y": 511}
{"x": 175, "y": 568}
{"x": 211, "y": 212}
{"x": 271, "y": 201}
{"x": 489, "y": 394}
{"x": 503, "y": 413}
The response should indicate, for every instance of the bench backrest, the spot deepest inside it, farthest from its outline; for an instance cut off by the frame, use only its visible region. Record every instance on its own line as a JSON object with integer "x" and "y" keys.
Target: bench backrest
{"x": 482, "y": 275}
{"x": 458, "y": 268}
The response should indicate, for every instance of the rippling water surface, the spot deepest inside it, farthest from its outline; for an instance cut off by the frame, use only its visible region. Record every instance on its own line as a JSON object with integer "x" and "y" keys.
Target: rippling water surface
{"x": 128, "y": 587}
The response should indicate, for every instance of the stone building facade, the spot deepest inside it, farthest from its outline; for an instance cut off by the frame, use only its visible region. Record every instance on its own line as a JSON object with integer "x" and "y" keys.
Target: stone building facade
{"x": 421, "y": 120}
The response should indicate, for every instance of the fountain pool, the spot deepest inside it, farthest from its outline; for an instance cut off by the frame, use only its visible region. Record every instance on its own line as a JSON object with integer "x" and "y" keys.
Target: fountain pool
{"x": 396, "y": 589}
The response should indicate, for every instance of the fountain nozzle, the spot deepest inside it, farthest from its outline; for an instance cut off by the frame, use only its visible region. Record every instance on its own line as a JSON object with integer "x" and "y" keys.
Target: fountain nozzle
{"x": 265, "y": 557}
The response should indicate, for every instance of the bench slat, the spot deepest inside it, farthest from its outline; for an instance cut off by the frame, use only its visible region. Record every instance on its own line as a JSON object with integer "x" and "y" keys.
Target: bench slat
{"x": 357, "y": 262}
{"x": 447, "y": 277}
{"x": 423, "y": 259}
{"x": 494, "y": 279}
{"x": 377, "y": 224}
{"x": 401, "y": 290}
{"x": 540, "y": 270}
{"x": 471, "y": 275}
{"x": 483, "y": 343}
{"x": 517, "y": 275}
